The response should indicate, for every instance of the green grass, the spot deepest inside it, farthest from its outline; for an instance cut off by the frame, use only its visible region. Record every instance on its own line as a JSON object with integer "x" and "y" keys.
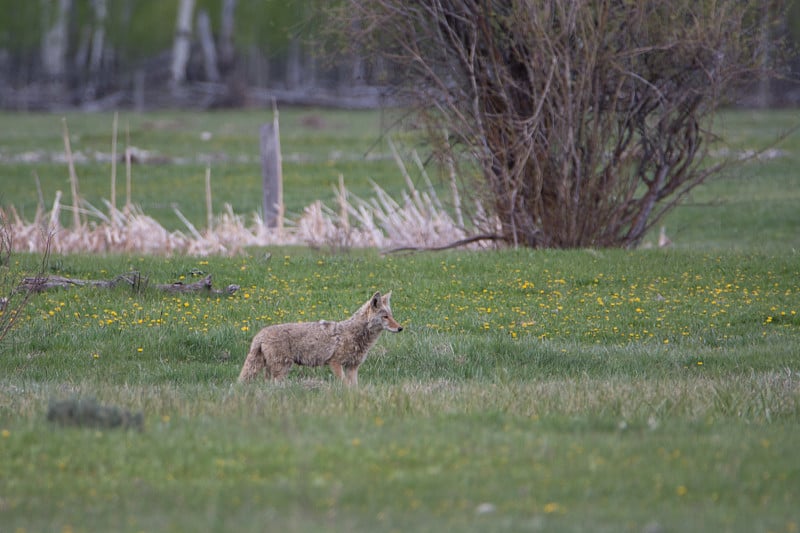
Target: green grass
{"x": 317, "y": 146}
{"x": 568, "y": 390}
{"x": 750, "y": 207}
{"x": 647, "y": 390}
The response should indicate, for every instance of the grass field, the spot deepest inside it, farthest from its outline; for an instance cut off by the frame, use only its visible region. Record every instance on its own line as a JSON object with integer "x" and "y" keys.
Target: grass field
{"x": 646, "y": 390}
{"x": 317, "y": 147}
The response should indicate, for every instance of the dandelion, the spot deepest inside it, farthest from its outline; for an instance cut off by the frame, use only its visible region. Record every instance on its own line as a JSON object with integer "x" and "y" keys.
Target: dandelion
{"x": 551, "y": 507}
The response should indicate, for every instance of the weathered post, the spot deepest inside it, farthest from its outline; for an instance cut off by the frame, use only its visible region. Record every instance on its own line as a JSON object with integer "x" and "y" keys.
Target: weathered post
{"x": 272, "y": 178}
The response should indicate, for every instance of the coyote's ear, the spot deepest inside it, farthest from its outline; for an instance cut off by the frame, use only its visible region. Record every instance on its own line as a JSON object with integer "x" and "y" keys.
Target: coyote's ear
{"x": 375, "y": 301}
{"x": 386, "y": 297}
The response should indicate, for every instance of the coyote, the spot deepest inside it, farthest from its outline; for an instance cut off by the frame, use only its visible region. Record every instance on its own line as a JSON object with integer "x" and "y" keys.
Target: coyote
{"x": 342, "y": 345}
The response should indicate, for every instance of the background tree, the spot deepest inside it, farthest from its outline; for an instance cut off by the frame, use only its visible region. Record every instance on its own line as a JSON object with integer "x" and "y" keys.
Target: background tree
{"x": 55, "y": 38}
{"x": 588, "y": 119}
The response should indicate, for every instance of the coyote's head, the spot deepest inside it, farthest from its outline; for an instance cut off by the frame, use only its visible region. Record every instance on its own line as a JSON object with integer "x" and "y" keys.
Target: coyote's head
{"x": 379, "y": 313}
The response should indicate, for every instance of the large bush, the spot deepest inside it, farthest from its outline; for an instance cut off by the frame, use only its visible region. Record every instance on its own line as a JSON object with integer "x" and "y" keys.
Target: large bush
{"x": 588, "y": 119}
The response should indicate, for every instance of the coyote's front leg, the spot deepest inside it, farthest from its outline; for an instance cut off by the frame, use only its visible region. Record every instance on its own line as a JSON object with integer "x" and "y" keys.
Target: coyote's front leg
{"x": 351, "y": 375}
{"x": 336, "y": 368}
{"x": 348, "y": 374}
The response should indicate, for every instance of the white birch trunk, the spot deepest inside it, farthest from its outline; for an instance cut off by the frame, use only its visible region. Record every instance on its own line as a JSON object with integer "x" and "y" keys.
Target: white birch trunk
{"x": 226, "y": 49}
{"x": 182, "y": 45}
{"x": 293, "y": 63}
{"x": 56, "y": 38}
{"x": 98, "y": 38}
{"x": 82, "y": 52}
{"x": 207, "y": 43}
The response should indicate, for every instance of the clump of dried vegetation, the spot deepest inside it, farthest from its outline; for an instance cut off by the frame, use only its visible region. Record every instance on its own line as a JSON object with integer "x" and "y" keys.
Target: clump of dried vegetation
{"x": 417, "y": 220}
{"x": 13, "y": 296}
{"x": 88, "y": 413}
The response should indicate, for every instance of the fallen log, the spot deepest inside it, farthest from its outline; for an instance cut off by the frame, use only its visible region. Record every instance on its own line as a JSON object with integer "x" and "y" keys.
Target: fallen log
{"x": 133, "y": 279}
{"x": 43, "y": 283}
{"x": 198, "y": 286}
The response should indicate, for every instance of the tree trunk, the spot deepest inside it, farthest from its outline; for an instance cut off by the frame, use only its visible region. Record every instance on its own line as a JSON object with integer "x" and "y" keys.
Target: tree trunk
{"x": 357, "y": 72}
{"x": 139, "y": 80}
{"x": 98, "y": 38}
{"x": 227, "y": 51}
{"x": 763, "y": 88}
{"x": 293, "y": 63}
{"x": 181, "y": 46}
{"x": 82, "y": 51}
{"x": 55, "y": 39}
{"x": 207, "y": 43}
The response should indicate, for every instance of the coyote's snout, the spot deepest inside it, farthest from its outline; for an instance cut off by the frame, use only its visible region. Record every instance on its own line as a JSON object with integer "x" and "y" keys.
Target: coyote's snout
{"x": 342, "y": 345}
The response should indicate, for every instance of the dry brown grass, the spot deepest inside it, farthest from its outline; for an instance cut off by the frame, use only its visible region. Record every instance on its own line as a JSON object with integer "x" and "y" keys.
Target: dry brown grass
{"x": 416, "y": 220}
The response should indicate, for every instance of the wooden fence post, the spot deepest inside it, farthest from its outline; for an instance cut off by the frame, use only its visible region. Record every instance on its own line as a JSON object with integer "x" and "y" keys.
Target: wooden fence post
{"x": 272, "y": 177}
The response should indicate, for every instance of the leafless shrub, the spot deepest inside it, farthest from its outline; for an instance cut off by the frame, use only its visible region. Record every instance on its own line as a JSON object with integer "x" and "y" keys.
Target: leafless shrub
{"x": 588, "y": 120}
{"x": 16, "y": 296}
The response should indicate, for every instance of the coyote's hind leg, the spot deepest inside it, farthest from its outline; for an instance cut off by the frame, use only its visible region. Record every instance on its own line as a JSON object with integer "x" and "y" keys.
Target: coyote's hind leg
{"x": 253, "y": 364}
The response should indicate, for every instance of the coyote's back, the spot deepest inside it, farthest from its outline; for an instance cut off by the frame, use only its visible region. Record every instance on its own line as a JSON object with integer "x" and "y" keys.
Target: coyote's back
{"x": 341, "y": 345}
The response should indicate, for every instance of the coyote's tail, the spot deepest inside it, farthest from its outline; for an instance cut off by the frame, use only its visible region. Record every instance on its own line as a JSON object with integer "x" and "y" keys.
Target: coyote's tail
{"x": 255, "y": 363}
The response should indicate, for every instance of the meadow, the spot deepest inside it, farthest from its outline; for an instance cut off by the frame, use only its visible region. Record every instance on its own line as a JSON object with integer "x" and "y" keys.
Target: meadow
{"x": 604, "y": 390}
